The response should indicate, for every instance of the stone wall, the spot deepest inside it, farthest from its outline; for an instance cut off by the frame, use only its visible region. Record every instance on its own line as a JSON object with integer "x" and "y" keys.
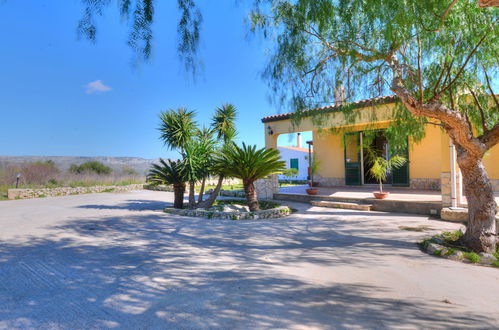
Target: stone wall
{"x": 425, "y": 184}
{"x": 65, "y": 191}
{"x": 266, "y": 188}
{"x": 329, "y": 182}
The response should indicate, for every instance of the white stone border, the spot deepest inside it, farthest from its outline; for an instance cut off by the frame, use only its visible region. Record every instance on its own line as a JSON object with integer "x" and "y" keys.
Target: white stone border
{"x": 277, "y": 212}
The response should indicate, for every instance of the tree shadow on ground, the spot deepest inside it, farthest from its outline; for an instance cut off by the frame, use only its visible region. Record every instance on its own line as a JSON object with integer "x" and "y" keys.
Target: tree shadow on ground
{"x": 157, "y": 271}
{"x": 131, "y": 205}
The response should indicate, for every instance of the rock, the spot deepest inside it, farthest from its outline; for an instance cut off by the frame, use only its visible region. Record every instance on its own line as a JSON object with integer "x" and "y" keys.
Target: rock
{"x": 486, "y": 258}
{"x": 438, "y": 240}
{"x": 432, "y": 247}
{"x": 235, "y": 208}
{"x": 457, "y": 255}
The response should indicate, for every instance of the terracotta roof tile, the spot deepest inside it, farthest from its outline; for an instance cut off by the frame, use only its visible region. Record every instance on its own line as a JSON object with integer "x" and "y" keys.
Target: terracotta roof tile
{"x": 333, "y": 108}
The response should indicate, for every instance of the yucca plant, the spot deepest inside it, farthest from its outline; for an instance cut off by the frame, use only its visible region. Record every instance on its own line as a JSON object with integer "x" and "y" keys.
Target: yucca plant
{"x": 250, "y": 164}
{"x": 177, "y": 128}
{"x": 170, "y": 172}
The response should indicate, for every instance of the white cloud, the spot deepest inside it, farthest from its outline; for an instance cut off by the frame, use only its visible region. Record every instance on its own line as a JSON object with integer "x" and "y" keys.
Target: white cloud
{"x": 96, "y": 87}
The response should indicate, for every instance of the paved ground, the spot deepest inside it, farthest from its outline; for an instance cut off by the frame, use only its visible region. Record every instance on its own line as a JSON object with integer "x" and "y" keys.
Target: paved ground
{"x": 115, "y": 260}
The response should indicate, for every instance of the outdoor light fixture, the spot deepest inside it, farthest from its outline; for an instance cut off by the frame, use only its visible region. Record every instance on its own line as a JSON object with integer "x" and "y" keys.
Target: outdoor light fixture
{"x": 18, "y": 177}
{"x": 270, "y": 131}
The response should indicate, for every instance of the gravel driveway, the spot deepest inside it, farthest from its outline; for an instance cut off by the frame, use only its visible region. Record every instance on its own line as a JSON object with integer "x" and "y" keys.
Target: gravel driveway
{"x": 116, "y": 261}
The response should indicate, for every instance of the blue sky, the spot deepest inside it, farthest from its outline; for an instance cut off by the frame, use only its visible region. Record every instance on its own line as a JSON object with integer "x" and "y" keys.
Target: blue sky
{"x": 48, "y": 107}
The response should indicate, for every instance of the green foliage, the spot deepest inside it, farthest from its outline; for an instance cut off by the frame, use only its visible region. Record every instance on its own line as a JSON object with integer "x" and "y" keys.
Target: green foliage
{"x": 472, "y": 256}
{"x": 496, "y": 264}
{"x": 90, "y": 167}
{"x": 167, "y": 172}
{"x": 451, "y": 236}
{"x": 290, "y": 172}
{"x": 177, "y": 128}
{"x": 139, "y": 17}
{"x": 223, "y": 122}
{"x": 447, "y": 51}
{"x": 249, "y": 163}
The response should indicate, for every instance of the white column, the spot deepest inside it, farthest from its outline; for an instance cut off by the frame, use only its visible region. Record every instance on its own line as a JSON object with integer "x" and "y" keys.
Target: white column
{"x": 453, "y": 189}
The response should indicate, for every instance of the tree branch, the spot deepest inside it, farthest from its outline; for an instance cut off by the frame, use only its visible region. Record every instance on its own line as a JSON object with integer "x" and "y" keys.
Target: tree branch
{"x": 462, "y": 67}
{"x": 490, "y": 88}
{"x": 482, "y": 113}
{"x": 420, "y": 80}
{"x": 491, "y": 137}
{"x": 454, "y": 122}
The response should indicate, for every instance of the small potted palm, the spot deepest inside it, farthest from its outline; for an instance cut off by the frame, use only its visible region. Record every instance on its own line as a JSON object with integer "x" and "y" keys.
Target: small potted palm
{"x": 381, "y": 167}
{"x": 314, "y": 168}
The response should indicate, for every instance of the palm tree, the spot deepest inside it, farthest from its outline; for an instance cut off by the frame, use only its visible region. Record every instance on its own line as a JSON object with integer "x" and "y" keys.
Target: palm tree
{"x": 224, "y": 126}
{"x": 170, "y": 172}
{"x": 196, "y": 163}
{"x": 250, "y": 164}
{"x": 177, "y": 128}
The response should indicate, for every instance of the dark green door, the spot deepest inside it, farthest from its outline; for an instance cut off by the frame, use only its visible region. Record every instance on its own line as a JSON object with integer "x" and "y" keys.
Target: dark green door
{"x": 400, "y": 176}
{"x": 352, "y": 159}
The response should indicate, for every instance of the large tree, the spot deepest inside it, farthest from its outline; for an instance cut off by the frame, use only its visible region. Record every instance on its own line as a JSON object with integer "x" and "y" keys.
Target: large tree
{"x": 439, "y": 57}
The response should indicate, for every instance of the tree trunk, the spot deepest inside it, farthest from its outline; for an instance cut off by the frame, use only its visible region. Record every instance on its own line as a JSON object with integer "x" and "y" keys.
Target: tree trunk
{"x": 209, "y": 202}
{"x": 481, "y": 234}
{"x": 192, "y": 198}
{"x": 178, "y": 192}
{"x": 201, "y": 191}
{"x": 249, "y": 190}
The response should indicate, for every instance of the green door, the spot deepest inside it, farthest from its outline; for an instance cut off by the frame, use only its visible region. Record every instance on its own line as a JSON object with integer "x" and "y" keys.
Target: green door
{"x": 400, "y": 176}
{"x": 352, "y": 159}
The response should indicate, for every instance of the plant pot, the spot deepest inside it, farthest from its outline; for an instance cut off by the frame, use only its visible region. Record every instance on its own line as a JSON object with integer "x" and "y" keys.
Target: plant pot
{"x": 381, "y": 195}
{"x": 312, "y": 191}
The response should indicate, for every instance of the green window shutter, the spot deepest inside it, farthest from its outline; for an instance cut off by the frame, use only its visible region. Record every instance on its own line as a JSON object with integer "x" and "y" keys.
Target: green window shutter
{"x": 293, "y": 163}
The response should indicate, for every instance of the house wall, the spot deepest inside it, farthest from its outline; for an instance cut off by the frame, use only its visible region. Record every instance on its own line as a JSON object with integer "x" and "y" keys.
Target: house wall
{"x": 287, "y": 154}
{"x": 328, "y": 149}
{"x": 429, "y": 160}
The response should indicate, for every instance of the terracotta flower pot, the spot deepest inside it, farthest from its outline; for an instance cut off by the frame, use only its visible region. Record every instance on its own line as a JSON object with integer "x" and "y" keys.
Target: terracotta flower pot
{"x": 312, "y": 191}
{"x": 381, "y": 195}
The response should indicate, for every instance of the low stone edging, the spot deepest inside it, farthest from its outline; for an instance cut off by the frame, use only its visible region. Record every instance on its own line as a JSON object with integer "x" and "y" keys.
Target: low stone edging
{"x": 435, "y": 247}
{"x": 277, "y": 212}
{"x": 166, "y": 188}
{"x": 66, "y": 191}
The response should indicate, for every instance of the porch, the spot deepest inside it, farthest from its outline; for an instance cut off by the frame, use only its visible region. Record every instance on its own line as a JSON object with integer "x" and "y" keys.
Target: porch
{"x": 405, "y": 200}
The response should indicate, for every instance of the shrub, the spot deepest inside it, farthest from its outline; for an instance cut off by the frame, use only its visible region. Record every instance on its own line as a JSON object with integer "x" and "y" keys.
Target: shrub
{"x": 90, "y": 167}
{"x": 472, "y": 256}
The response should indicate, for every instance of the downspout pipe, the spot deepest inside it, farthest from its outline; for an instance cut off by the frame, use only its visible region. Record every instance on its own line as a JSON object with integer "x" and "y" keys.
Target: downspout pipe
{"x": 453, "y": 188}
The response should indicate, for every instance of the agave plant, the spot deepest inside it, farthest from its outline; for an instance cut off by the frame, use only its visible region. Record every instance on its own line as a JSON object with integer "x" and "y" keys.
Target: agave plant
{"x": 250, "y": 164}
{"x": 170, "y": 172}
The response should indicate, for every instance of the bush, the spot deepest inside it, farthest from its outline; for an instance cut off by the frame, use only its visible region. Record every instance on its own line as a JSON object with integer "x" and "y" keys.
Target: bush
{"x": 90, "y": 167}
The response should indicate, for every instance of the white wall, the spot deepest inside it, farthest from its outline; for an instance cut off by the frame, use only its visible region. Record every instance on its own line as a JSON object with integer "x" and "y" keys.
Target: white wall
{"x": 287, "y": 154}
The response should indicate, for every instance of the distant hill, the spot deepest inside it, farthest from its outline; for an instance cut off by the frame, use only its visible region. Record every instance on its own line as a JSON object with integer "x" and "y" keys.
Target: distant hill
{"x": 140, "y": 165}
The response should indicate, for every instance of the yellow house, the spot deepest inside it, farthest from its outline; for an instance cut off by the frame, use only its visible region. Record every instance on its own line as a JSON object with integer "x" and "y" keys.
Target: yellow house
{"x": 338, "y": 146}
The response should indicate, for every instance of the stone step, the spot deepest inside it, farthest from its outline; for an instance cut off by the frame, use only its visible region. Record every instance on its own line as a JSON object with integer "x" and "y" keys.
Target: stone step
{"x": 342, "y": 205}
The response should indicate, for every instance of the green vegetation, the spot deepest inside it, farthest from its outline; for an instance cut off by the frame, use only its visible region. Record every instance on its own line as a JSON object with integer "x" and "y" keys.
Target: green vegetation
{"x": 250, "y": 164}
{"x": 418, "y": 228}
{"x": 472, "y": 256}
{"x": 438, "y": 57}
{"x": 381, "y": 167}
{"x": 90, "y": 167}
{"x": 197, "y": 147}
{"x": 170, "y": 172}
{"x": 290, "y": 172}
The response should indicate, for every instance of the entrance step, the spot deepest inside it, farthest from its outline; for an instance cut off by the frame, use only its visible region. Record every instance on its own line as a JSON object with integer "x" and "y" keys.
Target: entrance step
{"x": 342, "y": 205}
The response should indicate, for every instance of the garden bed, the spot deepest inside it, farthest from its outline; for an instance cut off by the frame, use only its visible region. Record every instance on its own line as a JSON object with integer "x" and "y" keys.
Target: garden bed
{"x": 235, "y": 210}
{"x": 445, "y": 246}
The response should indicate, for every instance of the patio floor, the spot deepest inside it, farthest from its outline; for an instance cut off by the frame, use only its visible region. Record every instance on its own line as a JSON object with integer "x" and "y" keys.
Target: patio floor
{"x": 396, "y": 193}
